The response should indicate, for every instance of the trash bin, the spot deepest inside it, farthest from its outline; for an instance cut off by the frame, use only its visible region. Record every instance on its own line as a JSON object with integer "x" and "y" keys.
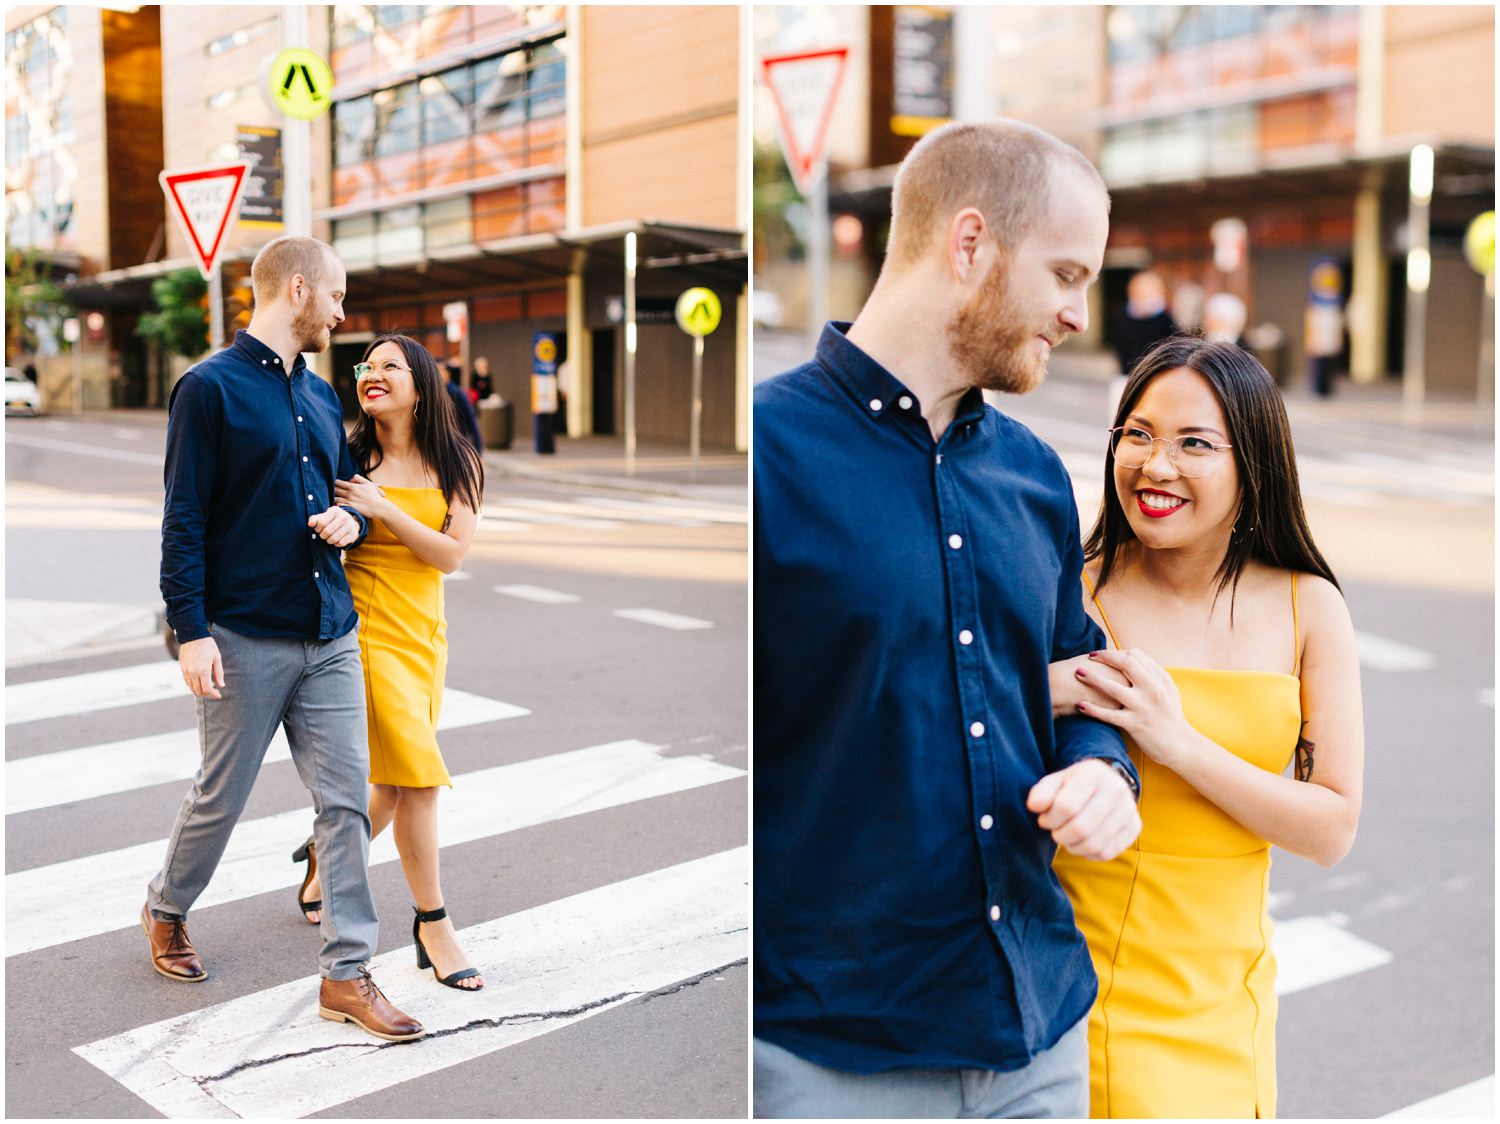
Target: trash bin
{"x": 496, "y": 422}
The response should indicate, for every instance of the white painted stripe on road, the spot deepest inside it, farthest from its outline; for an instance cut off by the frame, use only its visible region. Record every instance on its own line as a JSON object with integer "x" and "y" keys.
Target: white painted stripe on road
{"x": 512, "y": 512}
{"x": 105, "y": 891}
{"x": 50, "y": 779}
{"x": 95, "y": 690}
{"x": 1316, "y": 950}
{"x": 78, "y": 448}
{"x": 270, "y": 1055}
{"x": 1381, "y": 654}
{"x": 1474, "y": 1101}
{"x": 458, "y": 576}
{"x": 538, "y": 594}
{"x": 663, "y": 620}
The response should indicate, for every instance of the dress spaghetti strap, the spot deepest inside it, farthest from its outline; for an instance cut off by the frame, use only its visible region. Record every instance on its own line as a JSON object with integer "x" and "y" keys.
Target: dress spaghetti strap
{"x": 1095, "y": 597}
{"x": 1296, "y": 629}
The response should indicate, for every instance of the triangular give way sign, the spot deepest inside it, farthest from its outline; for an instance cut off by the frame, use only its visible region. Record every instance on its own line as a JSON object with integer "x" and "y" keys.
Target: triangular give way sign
{"x": 205, "y": 201}
{"x": 805, "y": 86}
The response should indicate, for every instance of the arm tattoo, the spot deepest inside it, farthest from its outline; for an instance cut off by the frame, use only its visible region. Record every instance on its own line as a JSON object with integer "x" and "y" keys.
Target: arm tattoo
{"x": 1304, "y": 753}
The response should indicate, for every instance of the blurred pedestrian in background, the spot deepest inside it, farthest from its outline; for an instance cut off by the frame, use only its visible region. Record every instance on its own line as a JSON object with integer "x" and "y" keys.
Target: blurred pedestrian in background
{"x": 1201, "y": 558}
{"x": 463, "y": 409}
{"x": 481, "y": 381}
{"x": 1224, "y": 317}
{"x": 1144, "y": 320}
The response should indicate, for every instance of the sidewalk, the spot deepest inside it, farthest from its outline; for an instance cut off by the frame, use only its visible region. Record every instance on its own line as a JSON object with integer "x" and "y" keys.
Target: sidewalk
{"x": 44, "y": 631}
{"x": 599, "y": 462}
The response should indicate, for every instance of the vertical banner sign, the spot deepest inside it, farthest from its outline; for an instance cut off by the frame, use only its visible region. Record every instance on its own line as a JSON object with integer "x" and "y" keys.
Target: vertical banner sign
{"x": 922, "y": 82}
{"x": 543, "y": 388}
{"x": 260, "y": 147}
{"x": 805, "y": 87}
{"x": 205, "y": 201}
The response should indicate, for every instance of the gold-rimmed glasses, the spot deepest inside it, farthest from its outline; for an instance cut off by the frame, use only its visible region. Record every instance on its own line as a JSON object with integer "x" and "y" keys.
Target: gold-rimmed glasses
{"x": 1191, "y": 454}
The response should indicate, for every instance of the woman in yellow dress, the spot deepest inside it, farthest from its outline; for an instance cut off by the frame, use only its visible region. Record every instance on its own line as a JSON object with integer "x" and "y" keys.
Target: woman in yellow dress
{"x": 422, "y": 489}
{"x": 1232, "y": 659}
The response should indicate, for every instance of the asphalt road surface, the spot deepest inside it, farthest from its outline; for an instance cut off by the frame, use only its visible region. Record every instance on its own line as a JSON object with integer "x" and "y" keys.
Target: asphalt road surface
{"x": 594, "y": 851}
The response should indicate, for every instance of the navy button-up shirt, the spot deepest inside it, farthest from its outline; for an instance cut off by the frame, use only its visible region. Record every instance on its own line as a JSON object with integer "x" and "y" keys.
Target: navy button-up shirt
{"x": 909, "y": 595}
{"x": 251, "y": 454}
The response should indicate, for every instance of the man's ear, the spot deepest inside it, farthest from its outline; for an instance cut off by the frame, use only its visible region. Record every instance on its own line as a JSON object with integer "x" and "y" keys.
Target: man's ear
{"x": 967, "y": 235}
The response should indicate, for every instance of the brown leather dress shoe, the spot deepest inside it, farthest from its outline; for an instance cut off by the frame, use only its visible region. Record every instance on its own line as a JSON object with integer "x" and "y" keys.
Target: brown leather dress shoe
{"x": 172, "y": 954}
{"x": 360, "y": 1002}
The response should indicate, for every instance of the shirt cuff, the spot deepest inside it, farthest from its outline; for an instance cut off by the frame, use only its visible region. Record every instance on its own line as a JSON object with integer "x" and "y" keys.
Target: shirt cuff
{"x": 364, "y": 524}
{"x": 189, "y": 630}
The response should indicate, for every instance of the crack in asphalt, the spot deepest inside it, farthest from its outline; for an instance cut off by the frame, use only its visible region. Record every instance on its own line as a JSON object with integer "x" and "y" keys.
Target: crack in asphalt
{"x": 204, "y": 1082}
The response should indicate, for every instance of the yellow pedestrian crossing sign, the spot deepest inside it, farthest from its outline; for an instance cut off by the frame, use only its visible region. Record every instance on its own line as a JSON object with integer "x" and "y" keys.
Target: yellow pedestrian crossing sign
{"x": 301, "y": 83}
{"x": 698, "y": 312}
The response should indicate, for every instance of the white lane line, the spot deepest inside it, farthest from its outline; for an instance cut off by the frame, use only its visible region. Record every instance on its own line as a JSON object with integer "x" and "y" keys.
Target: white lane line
{"x": 1474, "y": 1101}
{"x": 1380, "y": 654}
{"x": 95, "y": 690}
{"x": 78, "y": 448}
{"x": 511, "y": 512}
{"x": 662, "y": 620}
{"x": 1317, "y": 949}
{"x": 49, "y": 779}
{"x": 458, "y": 576}
{"x": 269, "y": 1054}
{"x": 538, "y": 594}
{"x": 127, "y": 434}
{"x": 105, "y": 891}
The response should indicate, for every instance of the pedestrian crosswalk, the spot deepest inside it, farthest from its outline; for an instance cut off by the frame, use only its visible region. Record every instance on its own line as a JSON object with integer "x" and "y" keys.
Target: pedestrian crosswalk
{"x": 269, "y": 1054}
{"x": 604, "y": 513}
{"x": 664, "y": 926}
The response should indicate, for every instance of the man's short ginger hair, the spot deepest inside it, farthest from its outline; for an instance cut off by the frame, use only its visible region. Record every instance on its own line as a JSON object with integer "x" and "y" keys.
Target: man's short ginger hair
{"x": 1002, "y": 168}
{"x": 281, "y": 258}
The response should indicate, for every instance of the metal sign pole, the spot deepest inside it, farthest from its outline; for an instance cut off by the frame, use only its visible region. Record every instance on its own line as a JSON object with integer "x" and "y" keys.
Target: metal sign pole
{"x": 630, "y": 354}
{"x": 1418, "y": 277}
{"x": 817, "y": 255}
{"x": 296, "y": 180}
{"x": 216, "y": 308}
{"x": 697, "y": 430}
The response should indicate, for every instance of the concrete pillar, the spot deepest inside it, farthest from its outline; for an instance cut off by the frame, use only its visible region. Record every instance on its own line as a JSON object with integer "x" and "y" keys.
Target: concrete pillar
{"x": 1368, "y": 299}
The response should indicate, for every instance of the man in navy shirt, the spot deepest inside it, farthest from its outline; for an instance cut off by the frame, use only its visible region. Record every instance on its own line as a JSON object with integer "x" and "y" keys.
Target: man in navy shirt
{"x": 256, "y": 594}
{"x": 917, "y": 567}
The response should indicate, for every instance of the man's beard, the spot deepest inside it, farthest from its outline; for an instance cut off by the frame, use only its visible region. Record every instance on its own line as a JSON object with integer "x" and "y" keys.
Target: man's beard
{"x": 995, "y": 352}
{"x": 309, "y": 330}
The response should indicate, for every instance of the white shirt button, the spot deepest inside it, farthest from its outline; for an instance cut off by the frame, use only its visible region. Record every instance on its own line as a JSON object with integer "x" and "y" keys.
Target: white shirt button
{"x": 876, "y": 404}
{"x": 904, "y": 401}
{"x": 977, "y": 729}
{"x": 262, "y": 362}
{"x": 309, "y": 499}
{"x": 316, "y": 574}
{"x": 940, "y": 458}
{"x": 994, "y": 913}
{"x": 964, "y": 637}
{"x": 955, "y": 541}
{"x": 986, "y": 822}
{"x": 304, "y": 461}
{"x": 299, "y": 417}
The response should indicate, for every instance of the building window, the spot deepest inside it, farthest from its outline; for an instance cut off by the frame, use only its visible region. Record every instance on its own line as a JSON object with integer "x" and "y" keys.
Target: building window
{"x": 39, "y": 130}
{"x": 240, "y": 36}
{"x": 496, "y": 116}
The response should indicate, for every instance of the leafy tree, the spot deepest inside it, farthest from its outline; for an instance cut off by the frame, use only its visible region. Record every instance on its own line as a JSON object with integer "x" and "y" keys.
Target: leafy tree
{"x": 31, "y": 298}
{"x": 179, "y": 326}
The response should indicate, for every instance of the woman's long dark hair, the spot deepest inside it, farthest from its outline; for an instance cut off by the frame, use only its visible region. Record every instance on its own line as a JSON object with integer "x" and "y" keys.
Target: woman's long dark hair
{"x": 1271, "y": 526}
{"x": 445, "y": 451}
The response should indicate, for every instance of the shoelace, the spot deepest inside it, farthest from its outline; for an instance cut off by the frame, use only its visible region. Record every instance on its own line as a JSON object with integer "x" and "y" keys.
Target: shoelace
{"x": 178, "y": 941}
{"x": 368, "y": 987}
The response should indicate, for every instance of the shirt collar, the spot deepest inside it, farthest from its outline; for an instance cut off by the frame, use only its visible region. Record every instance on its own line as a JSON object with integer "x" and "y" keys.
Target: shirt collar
{"x": 874, "y": 388}
{"x": 263, "y": 356}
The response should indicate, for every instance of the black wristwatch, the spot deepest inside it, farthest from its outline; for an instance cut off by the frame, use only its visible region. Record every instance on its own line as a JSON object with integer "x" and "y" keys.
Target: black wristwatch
{"x": 1125, "y": 775}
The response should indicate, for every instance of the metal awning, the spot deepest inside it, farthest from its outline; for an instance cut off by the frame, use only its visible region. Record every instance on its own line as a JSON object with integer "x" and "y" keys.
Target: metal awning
{"x": 715, "y": 256}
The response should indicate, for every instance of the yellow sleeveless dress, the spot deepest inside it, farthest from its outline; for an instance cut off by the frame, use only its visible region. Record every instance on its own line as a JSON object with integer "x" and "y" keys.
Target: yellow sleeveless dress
{"x": 1185, "y": 1021}
{"x": 403, "y": 641}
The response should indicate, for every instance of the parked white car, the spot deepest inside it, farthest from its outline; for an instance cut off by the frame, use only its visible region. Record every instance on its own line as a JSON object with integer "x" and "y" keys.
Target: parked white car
{"x": 21, "y": 394}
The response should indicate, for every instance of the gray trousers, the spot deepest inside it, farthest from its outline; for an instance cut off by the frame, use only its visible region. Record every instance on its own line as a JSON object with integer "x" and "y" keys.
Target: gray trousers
{"x": 316, "y": 689}
{"x": 1054, "y": 1085}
